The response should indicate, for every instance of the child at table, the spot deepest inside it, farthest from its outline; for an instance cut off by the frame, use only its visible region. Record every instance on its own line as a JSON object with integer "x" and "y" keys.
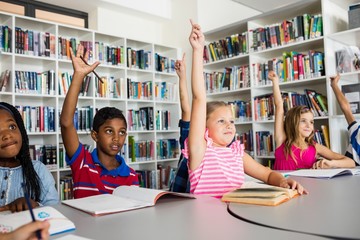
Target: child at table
{"x": 215, "y": 167}
{"x": 353, "y": 149}
{"x": 27, "y": 231}
{"x": 102, "y": 170}
{"x": 16, "y": 166}
{"x": 294, "y": 138}
{"x": 181, "y": 180}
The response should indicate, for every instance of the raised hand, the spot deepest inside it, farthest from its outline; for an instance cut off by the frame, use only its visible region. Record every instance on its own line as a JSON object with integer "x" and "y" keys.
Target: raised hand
{"x": 273, "y": 76}
{"x": 180, "y": 67}
{"x": 197, "y": 39}
{"x": 79, "y": 65}
{"x": 335, "y": 79}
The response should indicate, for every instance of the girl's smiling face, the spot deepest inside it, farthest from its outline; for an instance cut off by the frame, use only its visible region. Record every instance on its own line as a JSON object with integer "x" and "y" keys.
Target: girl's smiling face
{"x": 10, "y": 136}
{"x": 306, "y": 124}
{"x": 221, "y": 125}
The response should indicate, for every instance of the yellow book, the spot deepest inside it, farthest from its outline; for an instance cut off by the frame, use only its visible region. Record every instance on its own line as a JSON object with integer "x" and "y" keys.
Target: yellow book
{"x": 325, "y": 131}
{"x": 259, "y": 194}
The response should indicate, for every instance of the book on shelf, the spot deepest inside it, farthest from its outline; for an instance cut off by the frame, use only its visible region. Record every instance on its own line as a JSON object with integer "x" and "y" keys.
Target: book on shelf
{"x": 4, "y": 80}
{"x": 123, "y": 198}
{"x": 259, "y": 194}
{"x": 325, "y": 131}
{"x": 352, "y": 94}
{"x": 324, "y": 173}
{"x": 58, "y": 222}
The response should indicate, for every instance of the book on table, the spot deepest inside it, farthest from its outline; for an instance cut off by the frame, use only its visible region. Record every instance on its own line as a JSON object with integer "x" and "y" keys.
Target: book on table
{"x": 324, "y": 173}
{"x": 123, "y": 198}
{"x": 259, "y": 194}
{"x": 58, "y": 222}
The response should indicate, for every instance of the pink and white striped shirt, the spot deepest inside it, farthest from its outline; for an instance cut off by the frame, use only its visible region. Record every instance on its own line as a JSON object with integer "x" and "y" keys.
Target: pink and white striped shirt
{"x": 220, "y": 171}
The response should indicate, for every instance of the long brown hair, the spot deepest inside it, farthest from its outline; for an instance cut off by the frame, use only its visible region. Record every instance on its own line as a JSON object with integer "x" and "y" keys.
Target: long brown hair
{"x": 291, "y": 123}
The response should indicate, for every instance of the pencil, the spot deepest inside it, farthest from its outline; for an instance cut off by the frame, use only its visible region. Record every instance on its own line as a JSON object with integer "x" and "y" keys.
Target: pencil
{"x": 28, "y": 203}
{"x": 92, "y": 70}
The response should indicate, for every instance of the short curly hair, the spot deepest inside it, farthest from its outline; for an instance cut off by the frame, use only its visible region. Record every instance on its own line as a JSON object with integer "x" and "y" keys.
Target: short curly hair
{"x": 107, "y": 113}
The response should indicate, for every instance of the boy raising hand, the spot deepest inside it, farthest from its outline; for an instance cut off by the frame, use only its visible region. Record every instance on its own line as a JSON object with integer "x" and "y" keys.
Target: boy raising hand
{"x": 102, "y": 170}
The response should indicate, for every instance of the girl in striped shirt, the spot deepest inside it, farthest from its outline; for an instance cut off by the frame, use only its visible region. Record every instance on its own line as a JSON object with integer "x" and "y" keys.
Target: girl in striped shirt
{"x": 217, "y": 163}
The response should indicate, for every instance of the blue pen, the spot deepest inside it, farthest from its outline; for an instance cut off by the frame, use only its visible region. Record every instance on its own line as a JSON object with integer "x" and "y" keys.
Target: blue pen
{"x": 28, "y": 203}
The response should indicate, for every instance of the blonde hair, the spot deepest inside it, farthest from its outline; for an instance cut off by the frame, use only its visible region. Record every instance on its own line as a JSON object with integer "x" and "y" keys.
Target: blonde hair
{"x": 291, "y": 123}
{"x": 212, "y": 106}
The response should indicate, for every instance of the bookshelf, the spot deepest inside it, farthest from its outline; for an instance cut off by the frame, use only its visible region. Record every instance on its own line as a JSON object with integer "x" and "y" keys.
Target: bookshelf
{"x": 131, "y": 81}
{"x": 333, "y": 36}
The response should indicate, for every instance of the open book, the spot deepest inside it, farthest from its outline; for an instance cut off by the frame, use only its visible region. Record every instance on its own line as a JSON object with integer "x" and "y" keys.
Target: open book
{"x": 123, "y": 198}
{"x": 259, "y": 194}
{"x": 324, "y": 173}
{"x": 58, "y": 222}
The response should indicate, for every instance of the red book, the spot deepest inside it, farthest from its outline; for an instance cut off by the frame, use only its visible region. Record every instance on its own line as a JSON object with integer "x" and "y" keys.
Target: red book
{"x": 301, "y": 66}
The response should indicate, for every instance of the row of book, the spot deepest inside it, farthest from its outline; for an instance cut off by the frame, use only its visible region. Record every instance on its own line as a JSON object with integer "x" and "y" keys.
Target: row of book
{"x": 227, "y": 47}
{"x": 291, "y": 67}
{"x": 241, "y": 110}
{"x": 83, "y": 118}
{"x": 141, "y": 119}
{"x": 5, "y": 38}
{"x": 167, "y": 148}
{"x": 264, "y": 143}
{"x": 299, "y": 28}
{"x": 231, "y": 78}
{"x": 65, "y": 79}
{"x": 34, "y": 43}
{"x": 139, "y": 90}
{"x": 109, "y": 54}
{"x": 164, "y": 64}
{"x": 38, "y": 118}
{"x": 109, "y": 87}
{"x": 162, "y": 120}
{"x": 246, "y": 138}
{"x": 66, "y": 188}
{"x": 321, "y": 136}
{"x": 156, "y": 179}
{"x": 316, "y": 102}
{"x": 140, "y": 150}
{"x": 139, "y": 59}
{"x": 4, "y": 80}
{"x": 35, "y": 82}
{"x": 45, "y": 153}
{"x": 65, "y": 44}
{"x": 264, "y": 106}
{"x": 165, "y": 91}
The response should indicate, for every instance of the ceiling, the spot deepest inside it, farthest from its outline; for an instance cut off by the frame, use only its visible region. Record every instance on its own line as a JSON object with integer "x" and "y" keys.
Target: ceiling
{"x": 266, "y": 5}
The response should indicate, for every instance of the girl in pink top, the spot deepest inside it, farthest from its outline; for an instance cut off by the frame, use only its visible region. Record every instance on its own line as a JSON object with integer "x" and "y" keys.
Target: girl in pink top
{"x": 294, "y": 138}
{"x": 215, "y": 167}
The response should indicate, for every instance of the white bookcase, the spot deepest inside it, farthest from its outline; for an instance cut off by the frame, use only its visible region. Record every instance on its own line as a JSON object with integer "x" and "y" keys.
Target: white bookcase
{"x": 335, "y": 35}
{"x": 21, "y": 62}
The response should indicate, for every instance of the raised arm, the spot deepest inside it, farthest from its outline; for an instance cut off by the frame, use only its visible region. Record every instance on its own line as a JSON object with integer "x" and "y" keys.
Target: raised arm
{"x": 197, "y": 143}
{"x": 180, "y": 67}
{"x": 279, "y": 131}
{"x": 68, "y": 130}
{"x": 343, "y": 102}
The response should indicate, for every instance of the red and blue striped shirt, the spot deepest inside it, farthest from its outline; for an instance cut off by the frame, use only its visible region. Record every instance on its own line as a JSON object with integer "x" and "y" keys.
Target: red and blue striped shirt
{"x": 90, "y": 177}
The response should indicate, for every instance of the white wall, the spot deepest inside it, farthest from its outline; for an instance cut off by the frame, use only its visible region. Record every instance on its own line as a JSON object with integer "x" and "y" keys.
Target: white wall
{"x": 130, "y": 24}
{"x": 218, "y": 13}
